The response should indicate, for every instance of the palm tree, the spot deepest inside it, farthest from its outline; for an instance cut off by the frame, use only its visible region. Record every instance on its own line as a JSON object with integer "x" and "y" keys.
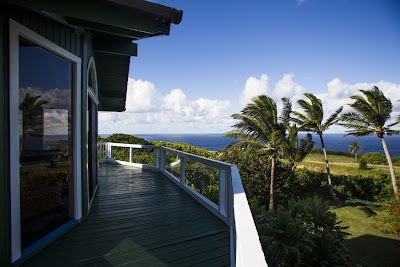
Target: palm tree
{"x": 260, "y": 128}
{"x": 32, "y": 117}
{"x": 311, "y": 121}
{"x": 373, "y": 110}
{"x": 355, "y": 148}
{"x": 297, "y": 151}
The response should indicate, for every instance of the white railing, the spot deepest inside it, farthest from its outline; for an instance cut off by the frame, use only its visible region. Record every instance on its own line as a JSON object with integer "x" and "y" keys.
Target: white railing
{"x": 232, "y": 207}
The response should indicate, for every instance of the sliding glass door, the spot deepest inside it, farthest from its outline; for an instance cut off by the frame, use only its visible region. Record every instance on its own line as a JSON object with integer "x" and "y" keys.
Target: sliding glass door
{"x": 45, "y": 141}
{"x": 44, "y": 127}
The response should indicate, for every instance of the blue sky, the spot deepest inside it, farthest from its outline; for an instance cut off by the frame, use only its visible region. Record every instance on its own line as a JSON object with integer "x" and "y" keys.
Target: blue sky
{"x": 225, "y": 52}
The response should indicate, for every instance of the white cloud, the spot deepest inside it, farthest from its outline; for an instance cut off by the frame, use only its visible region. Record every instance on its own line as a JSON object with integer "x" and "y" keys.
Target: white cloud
{"x": 140, "y": 96}
{"x": 336, "y": 94}
{"x": 285, "y": 87}
{"x": 254, "y": 87}
{"x": 148, "y": 111}
{"x": 175, "y": 101}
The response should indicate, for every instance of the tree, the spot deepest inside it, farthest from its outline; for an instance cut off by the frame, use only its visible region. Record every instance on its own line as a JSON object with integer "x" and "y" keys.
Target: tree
{"x": 373, "y": 111}
{"x": 260, "y": 128}
{"x": 297, "y": 152}
{"x": 355, "y": 148}
{"x": 32, "y": 117}
{"x": 311, "y": 121}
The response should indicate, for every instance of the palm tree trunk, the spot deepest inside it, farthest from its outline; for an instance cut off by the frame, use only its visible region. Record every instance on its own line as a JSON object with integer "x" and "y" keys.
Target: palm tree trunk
{"x": 328, "y": 170}
{"x": 389, "y": 160}
{"x": 272, "y": 185}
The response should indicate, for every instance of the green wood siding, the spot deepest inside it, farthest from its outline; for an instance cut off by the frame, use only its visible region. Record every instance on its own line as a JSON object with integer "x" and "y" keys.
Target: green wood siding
{"x": 66, "y": 37}
{"x": 141, "y": 218}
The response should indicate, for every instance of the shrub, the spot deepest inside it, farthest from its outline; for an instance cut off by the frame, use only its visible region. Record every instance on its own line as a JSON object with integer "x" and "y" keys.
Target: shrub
{"x": 185, "y": 147}
{"x": 374, "y": 158}
{"x": 317, "y": 150}
{"x": 396, "y": 160}
{"x": 305, "y": 233}
{"x": 255, "y": 171}
{"x": 363, "y": 164}
{"x": 372, "y": 188}
{"x": 389, "y": 221}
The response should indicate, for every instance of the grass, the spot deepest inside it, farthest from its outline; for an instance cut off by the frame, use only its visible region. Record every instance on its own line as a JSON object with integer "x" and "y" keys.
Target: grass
{"x": 342, "y": 165}
{"x": 368, "y": 245}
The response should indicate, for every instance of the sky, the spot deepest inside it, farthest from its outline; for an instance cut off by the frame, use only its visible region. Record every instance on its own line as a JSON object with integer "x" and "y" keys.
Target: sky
{"x": 224, "y": 53}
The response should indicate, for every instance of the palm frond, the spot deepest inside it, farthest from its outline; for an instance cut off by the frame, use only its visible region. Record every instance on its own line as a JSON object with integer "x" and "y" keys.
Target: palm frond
{"x": 286, "y": 112}
{"x": 333, "y": 119}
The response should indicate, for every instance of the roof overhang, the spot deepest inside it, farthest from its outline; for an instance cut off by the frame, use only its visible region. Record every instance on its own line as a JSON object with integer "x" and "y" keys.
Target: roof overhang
{"x": 114, "y": 24}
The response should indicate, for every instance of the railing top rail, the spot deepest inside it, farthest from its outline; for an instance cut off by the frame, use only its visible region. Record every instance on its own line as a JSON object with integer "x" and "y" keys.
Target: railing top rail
{"x": 248, "y": 247}
{"x": 211, "y": 162}
{"x": 129, "y": 145}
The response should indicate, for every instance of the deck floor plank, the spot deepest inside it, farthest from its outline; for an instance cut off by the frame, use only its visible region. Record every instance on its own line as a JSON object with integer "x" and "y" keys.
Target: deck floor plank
{"x": 140, "y": 218}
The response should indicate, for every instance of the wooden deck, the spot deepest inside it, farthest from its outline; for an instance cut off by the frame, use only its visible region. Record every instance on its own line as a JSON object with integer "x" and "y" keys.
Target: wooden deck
{"x": 141, "y": 218}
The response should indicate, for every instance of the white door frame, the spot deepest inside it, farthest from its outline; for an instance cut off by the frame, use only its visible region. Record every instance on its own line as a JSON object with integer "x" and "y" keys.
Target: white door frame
{"x": 92, "y": 93}
{"x": 17, "y": 31}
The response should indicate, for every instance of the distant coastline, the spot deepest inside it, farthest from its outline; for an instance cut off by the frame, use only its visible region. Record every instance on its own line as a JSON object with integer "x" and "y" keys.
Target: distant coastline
{"x": 336, "y": 142}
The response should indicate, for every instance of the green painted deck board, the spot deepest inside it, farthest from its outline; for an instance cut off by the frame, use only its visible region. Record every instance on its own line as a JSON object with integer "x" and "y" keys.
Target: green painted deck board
{"x": 141, "y": 218}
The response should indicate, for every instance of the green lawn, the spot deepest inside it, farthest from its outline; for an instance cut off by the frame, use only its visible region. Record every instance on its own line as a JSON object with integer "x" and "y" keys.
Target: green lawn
{"x": 342, "y": 165}
{"x": 368, "y": 246}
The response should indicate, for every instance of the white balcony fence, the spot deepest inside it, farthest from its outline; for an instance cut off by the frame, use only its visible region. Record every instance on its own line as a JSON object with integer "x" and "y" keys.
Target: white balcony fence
{"x": 232, "y": 206}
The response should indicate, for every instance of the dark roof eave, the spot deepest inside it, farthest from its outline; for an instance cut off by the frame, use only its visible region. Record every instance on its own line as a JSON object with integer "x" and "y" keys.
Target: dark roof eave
{"x": 165, "y": 13}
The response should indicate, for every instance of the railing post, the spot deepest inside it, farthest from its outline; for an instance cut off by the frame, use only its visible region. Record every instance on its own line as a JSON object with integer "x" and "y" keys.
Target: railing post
{"x": 106, "y": 148}
{"x": 157, "y": 165}
{"x": 130, "y": 155}
{"x": 110, "y": 152}
{"x": 223, "y": 193}
{"x": 182, "y": 171}
{"x": 162, "y": 159}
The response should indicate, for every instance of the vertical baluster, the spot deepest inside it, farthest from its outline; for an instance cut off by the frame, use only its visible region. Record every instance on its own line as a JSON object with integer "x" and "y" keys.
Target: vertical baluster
{"x": 130, "y": 155}
{"x": 182, "y": 171}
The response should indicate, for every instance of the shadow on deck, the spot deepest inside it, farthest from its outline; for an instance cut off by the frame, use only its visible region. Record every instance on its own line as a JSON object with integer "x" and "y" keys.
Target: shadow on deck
{"x": 141, "y": 218}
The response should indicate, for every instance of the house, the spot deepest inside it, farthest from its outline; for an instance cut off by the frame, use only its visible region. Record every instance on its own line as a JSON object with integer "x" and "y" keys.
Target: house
{"x": 60, "y": 63}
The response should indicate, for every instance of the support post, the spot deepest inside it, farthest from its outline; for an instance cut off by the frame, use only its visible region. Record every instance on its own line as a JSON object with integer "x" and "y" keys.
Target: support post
{"x": 222, "y": 193}
{"x": 158, "y": 158}
{"x": 162, "y": 159}
{"x": 130, "y": 155}
{"x": 107, "y": 154}
{"x": 182, "y": 171}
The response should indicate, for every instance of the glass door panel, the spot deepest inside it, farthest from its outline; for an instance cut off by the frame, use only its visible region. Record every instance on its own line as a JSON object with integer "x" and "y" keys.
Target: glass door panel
{"x": 46, "y": 145}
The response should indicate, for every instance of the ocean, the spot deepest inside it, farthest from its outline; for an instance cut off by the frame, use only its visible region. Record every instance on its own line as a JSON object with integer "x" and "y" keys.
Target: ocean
{"x": 336, "y": 142}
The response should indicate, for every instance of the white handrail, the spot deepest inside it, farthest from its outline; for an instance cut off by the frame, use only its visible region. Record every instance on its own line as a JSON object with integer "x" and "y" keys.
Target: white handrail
{"x": 245, "y": 228}
{"x": 233, "y": 207}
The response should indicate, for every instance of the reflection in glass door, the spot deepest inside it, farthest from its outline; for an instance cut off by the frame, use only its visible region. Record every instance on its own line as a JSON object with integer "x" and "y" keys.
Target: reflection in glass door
{"x": 46, "y": 143}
